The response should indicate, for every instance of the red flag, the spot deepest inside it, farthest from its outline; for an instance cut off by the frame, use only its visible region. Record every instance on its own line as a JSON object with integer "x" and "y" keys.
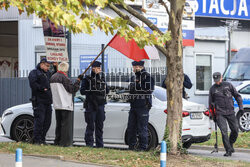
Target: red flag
{"x": 129, "y": 49}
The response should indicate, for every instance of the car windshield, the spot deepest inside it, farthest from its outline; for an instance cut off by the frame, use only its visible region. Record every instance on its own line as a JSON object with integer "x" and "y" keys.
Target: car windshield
{"x": 160, "y": 93}
{"x": 237, "y": 72}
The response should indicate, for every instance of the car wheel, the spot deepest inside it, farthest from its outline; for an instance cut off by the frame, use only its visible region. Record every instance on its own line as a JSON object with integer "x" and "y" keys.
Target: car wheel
{"x": 22, "y": 129}
{"x": 152, "y": 139}
{"x": 244, "y": 121}
{"x": 186, "y": 145}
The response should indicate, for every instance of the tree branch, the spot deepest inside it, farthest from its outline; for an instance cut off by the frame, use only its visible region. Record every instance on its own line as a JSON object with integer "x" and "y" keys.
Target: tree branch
{"x": 140, "y": 17}
{"x": 132, "y": 24}
{"x": 122, "y": 15}
{"x": 164, "y": 4}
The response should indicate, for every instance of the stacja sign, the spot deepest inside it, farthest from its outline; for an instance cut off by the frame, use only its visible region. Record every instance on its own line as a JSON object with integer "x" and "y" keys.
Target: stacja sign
{"x": 232, "y": 9}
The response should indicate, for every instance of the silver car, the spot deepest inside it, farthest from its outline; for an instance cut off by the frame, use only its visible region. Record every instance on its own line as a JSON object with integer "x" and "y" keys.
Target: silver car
{"x": 17, "y": 121}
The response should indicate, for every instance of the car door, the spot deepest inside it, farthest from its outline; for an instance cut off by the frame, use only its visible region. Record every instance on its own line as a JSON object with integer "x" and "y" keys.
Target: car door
{"x": 51, "y": 132}
{"x": 116, "y": 118}
{"x": 245, "y": 93}
{"x": 79, "y": 120}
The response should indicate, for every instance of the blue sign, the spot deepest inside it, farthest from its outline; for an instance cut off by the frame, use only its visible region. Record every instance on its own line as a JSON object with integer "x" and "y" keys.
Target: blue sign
{"x": 153, "y": 20}
{"x": 233, "y": 9}
{"x": 85, "y": 60}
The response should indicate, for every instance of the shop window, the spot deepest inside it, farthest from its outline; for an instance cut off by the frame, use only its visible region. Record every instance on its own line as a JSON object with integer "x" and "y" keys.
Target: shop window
{"x": 203, "y": 72}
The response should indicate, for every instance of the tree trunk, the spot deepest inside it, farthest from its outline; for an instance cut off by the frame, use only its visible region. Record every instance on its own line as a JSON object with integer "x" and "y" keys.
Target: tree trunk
{"x": 174, "y": 81}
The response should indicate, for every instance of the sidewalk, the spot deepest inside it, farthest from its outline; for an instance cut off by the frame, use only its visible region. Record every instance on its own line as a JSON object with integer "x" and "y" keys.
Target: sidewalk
{"x": 8, "y": 160}
{"x": 211, "y": 148}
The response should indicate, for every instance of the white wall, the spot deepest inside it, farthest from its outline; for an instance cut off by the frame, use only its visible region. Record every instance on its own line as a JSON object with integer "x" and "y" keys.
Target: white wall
{"x": 218, "y": 51}
{"x": 28, "y": 38}
{"x": 240, "y": 39}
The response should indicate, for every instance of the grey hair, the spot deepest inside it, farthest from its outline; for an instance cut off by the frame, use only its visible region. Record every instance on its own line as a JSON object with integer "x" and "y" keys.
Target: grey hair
{"x": 63, "y": 66}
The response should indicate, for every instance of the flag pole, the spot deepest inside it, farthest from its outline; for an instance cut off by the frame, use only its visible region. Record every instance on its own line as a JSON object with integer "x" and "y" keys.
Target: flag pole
{"x": 98, "y": 56}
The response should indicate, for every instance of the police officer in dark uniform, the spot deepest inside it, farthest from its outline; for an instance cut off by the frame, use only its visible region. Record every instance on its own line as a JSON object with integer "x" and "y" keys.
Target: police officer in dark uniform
{"x": 141, "y": 88}
{"x": 221, "y": 98}
{"x": 186, "y": 84}
{"x": 39, "y": 80}
{"x": 95, "y": 89}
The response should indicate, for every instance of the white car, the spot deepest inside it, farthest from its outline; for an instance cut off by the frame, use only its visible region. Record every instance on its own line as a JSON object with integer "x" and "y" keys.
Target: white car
{"x": 244, "y": 117}
{"x": 17, "y": 121}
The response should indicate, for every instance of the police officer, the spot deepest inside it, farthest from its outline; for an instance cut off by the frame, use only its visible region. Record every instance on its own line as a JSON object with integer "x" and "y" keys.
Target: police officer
{"x": 95, "y": 89}
{"x": 186, "y": 84}
{"x": 220, "y": 97}
{"x": 41, "y": 100}
{"x": 141, "y": 88}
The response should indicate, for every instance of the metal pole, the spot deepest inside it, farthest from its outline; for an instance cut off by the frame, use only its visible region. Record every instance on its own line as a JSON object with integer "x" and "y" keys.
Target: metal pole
{"x": 69, "y": 53}
{"x": 229, "y": 45}
{"x": 103, "y": 66}
{"x": 163, "y": 155}
{"x": 19, "y": 159}
{"x": 69, "y": 74}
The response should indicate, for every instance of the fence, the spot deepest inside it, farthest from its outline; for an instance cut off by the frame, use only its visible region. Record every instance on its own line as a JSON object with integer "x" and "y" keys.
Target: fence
{"x": 15, "y": 91}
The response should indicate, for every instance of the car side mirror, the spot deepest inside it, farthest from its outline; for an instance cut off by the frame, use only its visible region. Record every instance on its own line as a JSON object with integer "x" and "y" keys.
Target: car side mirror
{"x": 79, "y": 99}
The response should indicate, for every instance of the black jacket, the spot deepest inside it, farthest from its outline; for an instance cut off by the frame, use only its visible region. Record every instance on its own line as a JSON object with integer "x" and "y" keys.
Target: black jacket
{"x": 40, "y": 80}
{"x": 141, "y": 88}
{"x": 95, "y": 89}
{"x": 221, "y": 96}
{"x": 186, "y": 84}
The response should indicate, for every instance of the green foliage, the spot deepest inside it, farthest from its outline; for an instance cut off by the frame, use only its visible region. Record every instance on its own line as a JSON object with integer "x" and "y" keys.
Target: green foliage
{"x": 165, "y": 138}
{"x": 74, "y": 15}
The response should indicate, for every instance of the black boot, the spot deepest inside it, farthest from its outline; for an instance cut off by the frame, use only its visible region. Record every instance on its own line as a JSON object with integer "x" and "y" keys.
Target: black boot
{"x": 231, "y": 144}
{"x": 132, "y": 148}
{"x": 228, "y": 154}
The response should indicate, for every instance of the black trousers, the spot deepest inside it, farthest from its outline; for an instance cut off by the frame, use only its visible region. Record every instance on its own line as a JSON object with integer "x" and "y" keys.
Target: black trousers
{"x": 63, "y": 128}
{"x": 95, "y": 122}
{"x": 42, "y": 121}
{"x": 138, "y": 124}
{"x": 233, "y": 125}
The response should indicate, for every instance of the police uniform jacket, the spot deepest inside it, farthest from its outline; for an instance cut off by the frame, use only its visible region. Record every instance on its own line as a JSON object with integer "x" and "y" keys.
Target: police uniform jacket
{"x": 141, "y": 88}
{"x": 40, "y": 80}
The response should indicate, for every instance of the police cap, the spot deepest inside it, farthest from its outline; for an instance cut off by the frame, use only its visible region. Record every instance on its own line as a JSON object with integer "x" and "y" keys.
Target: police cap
{"x": 138, "y": 63}
{"x": 44, "y": 60}
{"x": 96, "y": 64}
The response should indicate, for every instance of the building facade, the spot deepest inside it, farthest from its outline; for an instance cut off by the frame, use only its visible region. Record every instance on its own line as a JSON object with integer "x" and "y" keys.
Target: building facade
{"x": 22, "y": 46}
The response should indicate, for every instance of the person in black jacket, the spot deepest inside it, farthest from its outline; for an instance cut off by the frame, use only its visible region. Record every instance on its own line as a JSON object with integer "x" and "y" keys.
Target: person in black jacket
{"x": 221, "y": 98}
{"x": 41, "y": 100}
{"x": 95, "y": 89}
{"x": 141, "y": 88}
{"x": 186, "y": 84}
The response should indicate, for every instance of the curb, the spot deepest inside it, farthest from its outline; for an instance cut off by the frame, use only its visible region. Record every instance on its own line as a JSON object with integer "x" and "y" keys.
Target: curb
{"x": 62, "y": 158}
{"x": 197, "y": 147}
